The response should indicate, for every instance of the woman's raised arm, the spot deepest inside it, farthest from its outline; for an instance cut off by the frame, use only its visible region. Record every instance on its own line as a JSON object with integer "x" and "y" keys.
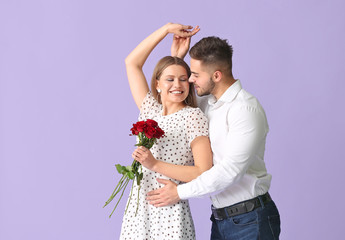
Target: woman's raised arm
{"x": 136, "y": 59}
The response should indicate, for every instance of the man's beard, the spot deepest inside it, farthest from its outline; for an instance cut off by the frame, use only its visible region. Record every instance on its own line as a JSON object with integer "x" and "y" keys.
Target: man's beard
{"x": 208, "y": 89}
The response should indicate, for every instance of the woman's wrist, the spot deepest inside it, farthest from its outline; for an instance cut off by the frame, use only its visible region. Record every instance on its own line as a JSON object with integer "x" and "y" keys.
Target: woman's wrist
{"x": 166, "y": 28}
{"x": 155, "y": 166}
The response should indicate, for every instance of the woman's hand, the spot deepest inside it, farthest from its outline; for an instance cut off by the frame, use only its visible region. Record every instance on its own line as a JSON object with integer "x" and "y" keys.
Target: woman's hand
{"x": 182, "y": 30}
{"x": 180, "y": 46}
{"x": 145, "y": 157}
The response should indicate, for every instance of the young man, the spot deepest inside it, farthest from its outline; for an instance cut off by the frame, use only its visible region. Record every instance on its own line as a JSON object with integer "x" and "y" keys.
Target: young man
{"x": 238, "y": 182}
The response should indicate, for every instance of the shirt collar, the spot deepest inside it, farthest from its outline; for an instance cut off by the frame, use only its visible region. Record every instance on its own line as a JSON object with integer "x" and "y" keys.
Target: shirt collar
{"x": 228, "y": 95}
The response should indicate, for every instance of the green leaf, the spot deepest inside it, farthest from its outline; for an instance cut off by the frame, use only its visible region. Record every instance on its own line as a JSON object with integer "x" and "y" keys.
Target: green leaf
{"x": 129, "y": 168}
{"x": 120, "y": 169}
{"x": 130, "y": 175}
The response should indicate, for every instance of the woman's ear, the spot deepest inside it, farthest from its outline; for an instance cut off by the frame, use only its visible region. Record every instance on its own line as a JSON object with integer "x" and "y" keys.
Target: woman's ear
{"x": 157, "y": 86}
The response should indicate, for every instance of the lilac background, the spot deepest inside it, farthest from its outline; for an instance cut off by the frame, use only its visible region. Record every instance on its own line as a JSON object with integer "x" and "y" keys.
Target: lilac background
{"x": 66, "y": 109}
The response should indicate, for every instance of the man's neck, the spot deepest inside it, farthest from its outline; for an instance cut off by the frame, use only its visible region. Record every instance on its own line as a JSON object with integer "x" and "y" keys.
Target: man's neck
{"x": 222, "y": 86}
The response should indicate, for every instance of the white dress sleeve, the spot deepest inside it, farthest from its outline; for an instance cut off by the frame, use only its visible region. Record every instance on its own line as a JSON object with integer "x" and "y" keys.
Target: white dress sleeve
{"x": 149, "y": 107}
{"x": 196, "y": 124}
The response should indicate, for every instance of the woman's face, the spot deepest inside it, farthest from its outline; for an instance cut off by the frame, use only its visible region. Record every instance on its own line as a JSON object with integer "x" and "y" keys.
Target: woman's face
{"x": 174, "y": 84}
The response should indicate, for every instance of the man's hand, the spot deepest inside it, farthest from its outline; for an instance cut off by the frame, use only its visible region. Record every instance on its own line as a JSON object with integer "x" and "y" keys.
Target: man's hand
{"x": 181, "y": 40}
{"x": 180, "y": 46}
{"x": 164, "y": 196}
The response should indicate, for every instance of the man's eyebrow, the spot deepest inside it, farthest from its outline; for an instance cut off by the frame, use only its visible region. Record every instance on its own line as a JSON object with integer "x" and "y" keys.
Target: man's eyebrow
{"x": 194, "y": 73}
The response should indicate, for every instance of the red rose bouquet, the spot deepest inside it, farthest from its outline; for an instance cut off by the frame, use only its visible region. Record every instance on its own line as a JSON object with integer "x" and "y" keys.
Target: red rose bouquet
{"x": 148, "y": 132}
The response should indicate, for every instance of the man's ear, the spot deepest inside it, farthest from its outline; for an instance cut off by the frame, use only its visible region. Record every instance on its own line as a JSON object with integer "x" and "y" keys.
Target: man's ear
{"x": 217, "y": 76}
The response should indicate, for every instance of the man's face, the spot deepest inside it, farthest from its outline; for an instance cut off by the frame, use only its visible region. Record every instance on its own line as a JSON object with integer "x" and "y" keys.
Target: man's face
{"x": 201, "y": 79}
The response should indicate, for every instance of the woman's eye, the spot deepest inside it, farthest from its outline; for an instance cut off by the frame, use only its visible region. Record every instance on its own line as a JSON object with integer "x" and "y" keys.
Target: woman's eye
{"x": 183, "y": 79}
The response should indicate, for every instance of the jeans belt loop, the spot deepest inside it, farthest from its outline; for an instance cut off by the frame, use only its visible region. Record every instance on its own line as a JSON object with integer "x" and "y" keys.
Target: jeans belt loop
{"x": 262, "y": 200}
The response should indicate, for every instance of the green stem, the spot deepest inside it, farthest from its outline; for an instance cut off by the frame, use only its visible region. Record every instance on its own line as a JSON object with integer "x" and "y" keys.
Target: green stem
{"x": 122, "y": 185}
{"x": 130, "y": 197}
{"x": 136, "y": 211}
{"x": 127, "y": 180}
{"x": 133, "y": 163}
{"x": 116, "y": 188}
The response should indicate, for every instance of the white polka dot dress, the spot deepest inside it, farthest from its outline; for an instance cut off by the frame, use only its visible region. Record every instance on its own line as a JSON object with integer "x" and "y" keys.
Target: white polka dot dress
{"x": 172, "y": 222}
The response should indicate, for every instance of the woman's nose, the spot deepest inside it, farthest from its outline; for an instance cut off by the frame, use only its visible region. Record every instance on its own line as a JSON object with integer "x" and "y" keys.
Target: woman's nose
{"x": 177, "y": 83}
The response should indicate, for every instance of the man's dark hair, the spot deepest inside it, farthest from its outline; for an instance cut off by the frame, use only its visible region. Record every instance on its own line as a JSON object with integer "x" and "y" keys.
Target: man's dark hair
{"x": 215, "y": 53}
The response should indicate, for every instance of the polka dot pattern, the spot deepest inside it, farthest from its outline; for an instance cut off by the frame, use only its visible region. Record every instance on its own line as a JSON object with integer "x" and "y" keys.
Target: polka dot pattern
{"x": 171, "y": 222}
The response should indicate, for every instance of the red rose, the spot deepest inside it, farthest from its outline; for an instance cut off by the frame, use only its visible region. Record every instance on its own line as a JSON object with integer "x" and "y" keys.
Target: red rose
{"x": 134, "y": 130}
{"x": 150, "y": 132}
{"x": 140, "y": 126}
{"x": 151, "y": 123}
{"x": 149, "y": 128}
{"x": 159, "y": 133}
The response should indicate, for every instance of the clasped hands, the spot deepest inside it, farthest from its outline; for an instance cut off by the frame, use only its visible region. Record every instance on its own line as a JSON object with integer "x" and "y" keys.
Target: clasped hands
{"x": 164, "y": 196}
{"x": 181, "y": 39}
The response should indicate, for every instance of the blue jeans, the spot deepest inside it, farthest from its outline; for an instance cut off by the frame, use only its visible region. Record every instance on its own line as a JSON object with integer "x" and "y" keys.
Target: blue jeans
{"x": 262, "y": 223}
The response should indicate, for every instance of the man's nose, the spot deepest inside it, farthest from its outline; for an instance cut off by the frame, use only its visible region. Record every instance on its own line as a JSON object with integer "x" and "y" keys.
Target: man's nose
{"x": 191, "y": 79}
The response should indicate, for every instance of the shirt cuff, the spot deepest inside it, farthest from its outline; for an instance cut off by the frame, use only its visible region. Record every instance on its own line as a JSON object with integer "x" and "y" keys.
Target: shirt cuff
{"x": 182, "y": 191}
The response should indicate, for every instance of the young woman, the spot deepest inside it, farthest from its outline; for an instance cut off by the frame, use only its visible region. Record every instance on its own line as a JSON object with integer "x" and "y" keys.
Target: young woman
{"x": 184, "y": 153}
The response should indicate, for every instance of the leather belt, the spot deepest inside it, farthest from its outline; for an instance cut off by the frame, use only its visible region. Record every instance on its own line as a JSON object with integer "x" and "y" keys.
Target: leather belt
{"x": 240, "y": 208}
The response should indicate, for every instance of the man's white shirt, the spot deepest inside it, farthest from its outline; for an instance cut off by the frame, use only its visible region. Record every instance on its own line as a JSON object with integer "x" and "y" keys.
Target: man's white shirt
{"x": 237, "y": 131}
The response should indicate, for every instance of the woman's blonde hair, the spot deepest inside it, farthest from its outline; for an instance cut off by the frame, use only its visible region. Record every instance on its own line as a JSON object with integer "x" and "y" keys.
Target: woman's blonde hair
{"x": 157, "y": 73}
